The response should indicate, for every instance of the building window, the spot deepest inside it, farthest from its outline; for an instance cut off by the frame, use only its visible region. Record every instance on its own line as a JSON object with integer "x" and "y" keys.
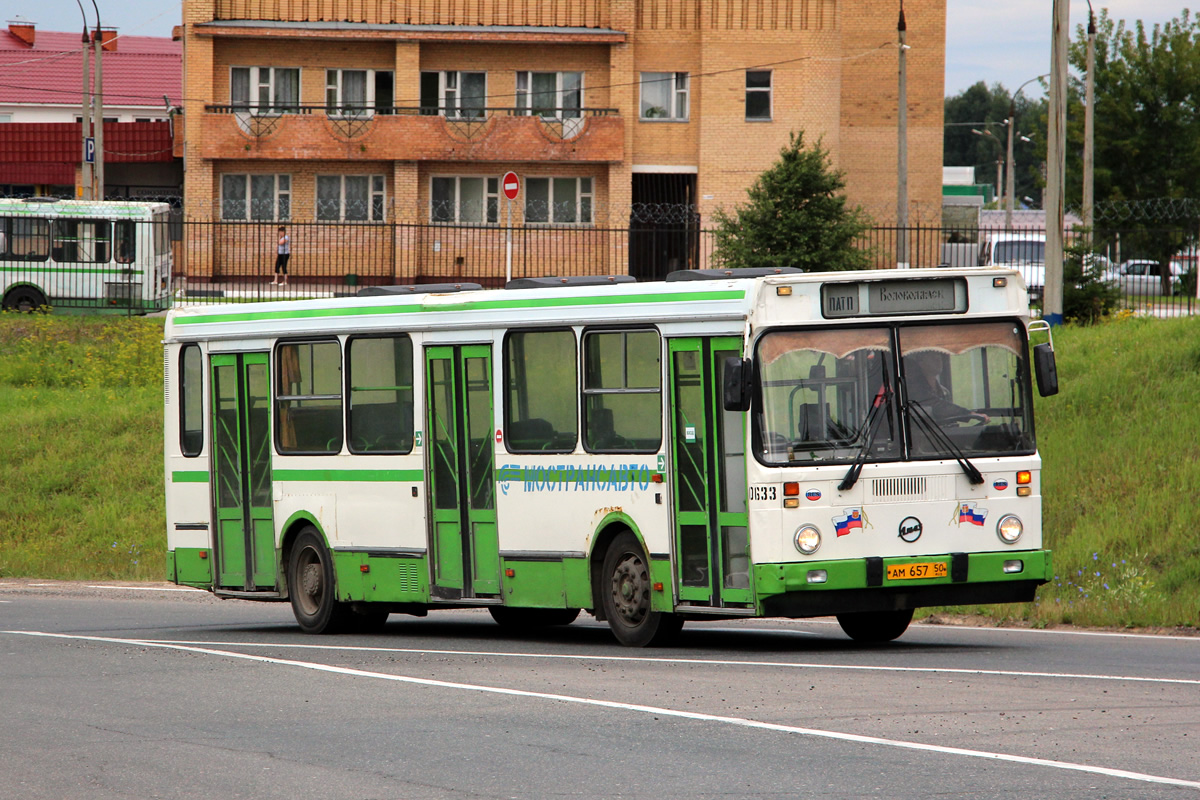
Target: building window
{"x": 665, "y": 95}
{"x": 358, "y": 92}
{"x": 558, "y": 201}
{"x": 310, "y": 397}
{"x": 353, "y": 198}
{"x": 191, "y": 401}
{"x": 265, "y": 90}
{"x": 556, "y": 95}
{"x": 464, "y": 200}
{"x": 256, "y": 197}
{"x": 758, "y": 94}
{"x": 540, "y": 413}
{"x": 456, "y": 94}
{"x": 622, "y": 398}
{"x": 381, "y": 395}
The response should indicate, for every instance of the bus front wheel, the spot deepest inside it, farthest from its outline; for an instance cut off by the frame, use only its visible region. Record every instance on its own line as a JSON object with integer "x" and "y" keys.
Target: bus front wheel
{"x": 311, "y": 586}
{"x": 25, "y": 299}
{"x": 875, "y": 627}
{"x": 625, "y": 593}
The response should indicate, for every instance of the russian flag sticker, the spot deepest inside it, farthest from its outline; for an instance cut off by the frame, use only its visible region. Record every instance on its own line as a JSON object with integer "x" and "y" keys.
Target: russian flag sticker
{"x": 813, "y": 494}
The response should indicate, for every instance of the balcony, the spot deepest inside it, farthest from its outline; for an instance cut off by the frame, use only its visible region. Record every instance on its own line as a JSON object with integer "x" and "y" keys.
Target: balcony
{"x": 411, "y": 134}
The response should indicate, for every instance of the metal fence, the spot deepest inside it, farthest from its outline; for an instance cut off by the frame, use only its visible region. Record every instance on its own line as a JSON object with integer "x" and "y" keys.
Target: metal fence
{"x": 1149, "y": 271}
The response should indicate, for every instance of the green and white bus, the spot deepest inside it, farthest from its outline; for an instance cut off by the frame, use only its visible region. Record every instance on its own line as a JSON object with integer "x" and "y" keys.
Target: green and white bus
{"x": 705, "y": 447}
{"x": 85, "y": 254}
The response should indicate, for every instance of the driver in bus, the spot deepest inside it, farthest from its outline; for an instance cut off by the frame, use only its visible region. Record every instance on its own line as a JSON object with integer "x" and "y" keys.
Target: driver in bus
{"x": 923, "y": 379}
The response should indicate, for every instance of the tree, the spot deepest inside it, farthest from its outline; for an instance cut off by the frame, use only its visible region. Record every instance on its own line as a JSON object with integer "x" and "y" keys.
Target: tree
{"x": 981, "y": 108}
{"x": 796, "y": 216}
{"x": 1147, "y": 131}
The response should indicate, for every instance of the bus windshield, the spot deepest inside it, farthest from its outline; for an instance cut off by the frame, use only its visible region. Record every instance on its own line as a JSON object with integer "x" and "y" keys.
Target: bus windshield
{"x": 833, "y": 395}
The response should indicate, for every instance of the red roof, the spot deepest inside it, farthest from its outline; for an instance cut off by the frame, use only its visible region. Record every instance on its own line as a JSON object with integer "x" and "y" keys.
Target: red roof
{"x": 138, "y": 73}
{"x": 124, "y": 142}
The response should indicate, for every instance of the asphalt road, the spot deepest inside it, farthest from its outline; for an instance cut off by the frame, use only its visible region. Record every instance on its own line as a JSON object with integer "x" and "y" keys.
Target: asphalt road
{"x": 109, "y": 692}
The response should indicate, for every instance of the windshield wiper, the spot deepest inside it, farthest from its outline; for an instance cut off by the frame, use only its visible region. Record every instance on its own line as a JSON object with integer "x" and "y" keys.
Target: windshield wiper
{"x": 871, "y": 427}
{"x": 935, "y": 432}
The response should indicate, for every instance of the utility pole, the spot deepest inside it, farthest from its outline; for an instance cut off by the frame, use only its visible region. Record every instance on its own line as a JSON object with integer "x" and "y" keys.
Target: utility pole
{"x": 85, "y": 168}
{"x": 98, "y": 109}
{"x": 1052, "y": 299}
{"x": 1089, "y": 129}
{"x": 902, "y": 150}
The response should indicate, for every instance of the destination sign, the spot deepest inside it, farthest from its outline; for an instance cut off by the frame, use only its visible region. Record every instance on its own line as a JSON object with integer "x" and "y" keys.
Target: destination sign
{"x": 891, "y": 298}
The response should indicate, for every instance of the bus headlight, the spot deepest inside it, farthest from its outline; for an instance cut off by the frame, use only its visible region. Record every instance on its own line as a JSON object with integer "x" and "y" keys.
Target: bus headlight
{"x": 1009, "y": 529}
{"x": 808, "y": 539}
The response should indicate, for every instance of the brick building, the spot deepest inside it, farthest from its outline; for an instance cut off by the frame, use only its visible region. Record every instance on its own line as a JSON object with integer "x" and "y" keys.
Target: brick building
{"x": 41, "y": 106}
{"x": 615, "y": 113}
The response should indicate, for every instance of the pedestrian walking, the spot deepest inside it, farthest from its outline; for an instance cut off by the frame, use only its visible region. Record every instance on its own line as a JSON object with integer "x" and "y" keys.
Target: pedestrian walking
{"x": 282, "y": 253}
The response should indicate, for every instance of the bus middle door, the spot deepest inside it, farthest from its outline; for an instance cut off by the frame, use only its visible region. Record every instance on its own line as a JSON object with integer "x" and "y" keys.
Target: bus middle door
{"x": 463, "y": 540}
{"x": 712, "y": 551}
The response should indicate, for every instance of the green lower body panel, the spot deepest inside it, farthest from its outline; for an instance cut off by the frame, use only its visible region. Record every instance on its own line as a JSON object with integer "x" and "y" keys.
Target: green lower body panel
{"x": 190, "y": 566}
{"x": 818, "y": 588}
{"x": 377, "y": 578}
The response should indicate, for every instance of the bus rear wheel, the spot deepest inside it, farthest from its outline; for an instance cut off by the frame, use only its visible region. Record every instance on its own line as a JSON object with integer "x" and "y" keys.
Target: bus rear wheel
{"x": 875, "y": 627}
{"x": 24, "y": 299}
{"x": 311, "y": 586}
{"x": 525, "y": 618}
{"x": 625, "y": 594}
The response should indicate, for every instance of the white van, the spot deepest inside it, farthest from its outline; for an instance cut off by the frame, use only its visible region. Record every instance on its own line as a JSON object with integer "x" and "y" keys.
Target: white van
{"x": 1022, "y": 251}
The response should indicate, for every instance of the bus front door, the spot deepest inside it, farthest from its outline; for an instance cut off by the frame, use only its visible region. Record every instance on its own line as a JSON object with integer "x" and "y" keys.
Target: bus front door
{"x": 712, "y": 552}
{"x": 241, "y": 408}
{"x": 463, "y": 540}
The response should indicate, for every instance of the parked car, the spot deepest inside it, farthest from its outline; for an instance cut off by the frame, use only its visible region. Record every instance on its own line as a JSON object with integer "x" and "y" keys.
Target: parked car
{"x": 1140, "y": 276}
{"x": 1023, "y": 251}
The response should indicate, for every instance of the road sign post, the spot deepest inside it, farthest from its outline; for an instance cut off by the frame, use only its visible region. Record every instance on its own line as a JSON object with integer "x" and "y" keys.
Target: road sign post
{"x": 510, "y": 184}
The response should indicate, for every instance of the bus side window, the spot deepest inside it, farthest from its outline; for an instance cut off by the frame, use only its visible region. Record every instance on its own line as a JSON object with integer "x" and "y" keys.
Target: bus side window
{"x": 191, "y": 401}
{"x": 30, "y": 240}
{"x": 622, "y": 391}
{"x": 540, "y": 409}
{"x": 309, "y": 391}
{"x": 126, "y": 242}
{"x": 380, "y": 420}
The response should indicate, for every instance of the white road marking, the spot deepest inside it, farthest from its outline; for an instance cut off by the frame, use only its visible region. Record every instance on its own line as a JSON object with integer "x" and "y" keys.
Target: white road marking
{"x": 683, "y": 661}
{"x": 667, "y": 712}
{"x": 149, "y": 588}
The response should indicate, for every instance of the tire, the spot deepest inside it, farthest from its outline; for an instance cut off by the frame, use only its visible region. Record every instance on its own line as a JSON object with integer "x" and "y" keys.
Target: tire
{"x": 625, "y": 596}
{"x": 311, "y": 586}
{"x": 528, "y": 618}
{"x": 875, "y": 627}
{"x": 24, "y": 299}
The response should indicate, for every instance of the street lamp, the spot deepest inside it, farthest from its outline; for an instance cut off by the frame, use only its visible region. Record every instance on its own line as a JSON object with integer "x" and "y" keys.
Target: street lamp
{"x": 999, "y": 161}
{"x": 1089, "y": 129}
{"x": 1012, "y": 118}
{"x": 902, "y": 148}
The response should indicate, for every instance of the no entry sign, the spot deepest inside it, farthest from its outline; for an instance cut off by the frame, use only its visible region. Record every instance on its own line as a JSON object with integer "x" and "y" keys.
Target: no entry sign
{"x": 511, "y": 185}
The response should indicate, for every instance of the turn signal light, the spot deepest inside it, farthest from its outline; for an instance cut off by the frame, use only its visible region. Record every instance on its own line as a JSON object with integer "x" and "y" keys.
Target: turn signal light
{"x": 791, "y": 490}
{"x": 658, "y": 587}
{"x": 656, "y": 478}
{"x": 364, "y": 568}
{"x": 203, "y": 554}
{"x": 1024, "y": 476}
{"x": 510, "y": 573}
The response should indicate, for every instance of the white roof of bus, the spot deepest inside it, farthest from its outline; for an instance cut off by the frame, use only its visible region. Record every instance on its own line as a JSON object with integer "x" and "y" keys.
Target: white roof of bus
{"x": 730, "y": 300}
{"x": 50, "y": 207}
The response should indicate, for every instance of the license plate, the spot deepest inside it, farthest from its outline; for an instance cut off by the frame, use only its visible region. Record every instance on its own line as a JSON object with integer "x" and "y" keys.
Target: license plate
{"x": 908, "y": 572}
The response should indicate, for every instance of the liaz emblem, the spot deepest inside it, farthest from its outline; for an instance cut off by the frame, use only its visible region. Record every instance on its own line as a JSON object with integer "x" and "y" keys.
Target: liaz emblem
{"x": 910, "y": 529}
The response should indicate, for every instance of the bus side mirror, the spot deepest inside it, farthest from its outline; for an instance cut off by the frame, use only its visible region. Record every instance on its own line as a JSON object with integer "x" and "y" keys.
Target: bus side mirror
{"x": 737, "y": 384}
{"x": 1044, "y": 369}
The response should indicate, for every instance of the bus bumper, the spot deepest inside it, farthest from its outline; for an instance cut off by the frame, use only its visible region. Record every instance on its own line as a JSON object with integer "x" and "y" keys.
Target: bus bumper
{"x": 801, "y": 590}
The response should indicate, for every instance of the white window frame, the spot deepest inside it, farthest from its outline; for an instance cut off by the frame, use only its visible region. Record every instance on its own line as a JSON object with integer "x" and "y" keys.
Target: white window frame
{"x": 282, "y": 191}
{"x": 524, "y": 95}
{"x": 257, "y": 83}
{"x": 334, "y": 106}
{"x": 580, "y": 195}
{"x": 769, "y": 90}
{"x": 376, "y": 198}
{"x": 449, "y": 98}
{"x": 680, "y": 87}
{"x": 490, "y": 213}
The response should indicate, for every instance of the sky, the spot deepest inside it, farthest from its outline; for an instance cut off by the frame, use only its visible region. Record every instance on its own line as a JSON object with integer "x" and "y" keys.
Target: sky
{"x": 1008, "y": 41}
{"x": 995, "y": 41}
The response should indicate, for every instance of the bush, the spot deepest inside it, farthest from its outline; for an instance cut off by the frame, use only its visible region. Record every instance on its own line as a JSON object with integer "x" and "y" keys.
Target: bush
{"x": 1086, "y": 298}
